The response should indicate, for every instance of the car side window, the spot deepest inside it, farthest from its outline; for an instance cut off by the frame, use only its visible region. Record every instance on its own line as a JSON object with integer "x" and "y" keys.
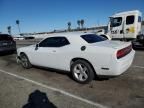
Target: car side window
{"x": 92, "y": 38}
{"x": 54, "y": 42}
{"x": 139, "y": 18}
{"x": 130, "y": 19}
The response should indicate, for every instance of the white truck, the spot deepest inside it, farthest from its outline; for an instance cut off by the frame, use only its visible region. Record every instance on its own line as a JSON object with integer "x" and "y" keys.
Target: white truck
{"x": 126, "y": 26}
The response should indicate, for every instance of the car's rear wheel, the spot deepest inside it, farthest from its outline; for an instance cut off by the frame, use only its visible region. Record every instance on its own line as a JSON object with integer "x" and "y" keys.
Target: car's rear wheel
{"x": 82, "y": 71}
{"x": 25, "y": 61}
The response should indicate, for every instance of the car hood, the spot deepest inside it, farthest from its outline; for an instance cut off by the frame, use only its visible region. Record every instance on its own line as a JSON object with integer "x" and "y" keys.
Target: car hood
{"x": 112, "y": 44}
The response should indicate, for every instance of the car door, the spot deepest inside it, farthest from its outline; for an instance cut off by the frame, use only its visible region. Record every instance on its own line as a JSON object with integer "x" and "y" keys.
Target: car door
{"x": 130, "y": 26}
{"x": 116, "y": 27}
{"x": 51, "y": 52}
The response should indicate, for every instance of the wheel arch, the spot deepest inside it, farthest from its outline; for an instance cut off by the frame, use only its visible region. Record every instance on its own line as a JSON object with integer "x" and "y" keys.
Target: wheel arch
{"x": 78, "y": 58}
{"x": 26, "y": 55}
{"x": 22, "y": 53}
{"x": 28, "y": 64}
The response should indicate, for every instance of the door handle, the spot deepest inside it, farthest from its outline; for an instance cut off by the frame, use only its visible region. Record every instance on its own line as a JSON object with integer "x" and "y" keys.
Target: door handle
{"x": 121, "y": 31}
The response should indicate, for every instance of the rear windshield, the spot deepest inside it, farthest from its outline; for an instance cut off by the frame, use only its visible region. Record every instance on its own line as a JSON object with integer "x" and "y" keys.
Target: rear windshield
{"x": 92, "y": 38}
{"x": 5, "y": 37}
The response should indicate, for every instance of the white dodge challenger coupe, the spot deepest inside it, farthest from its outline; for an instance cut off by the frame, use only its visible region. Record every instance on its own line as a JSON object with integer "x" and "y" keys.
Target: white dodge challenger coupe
{"x": 85, "y": 55}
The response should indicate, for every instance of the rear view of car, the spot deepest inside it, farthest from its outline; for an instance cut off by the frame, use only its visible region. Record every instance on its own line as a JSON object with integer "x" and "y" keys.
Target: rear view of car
{"x": 7, "y": 44}
{"x": 124, "y": 59}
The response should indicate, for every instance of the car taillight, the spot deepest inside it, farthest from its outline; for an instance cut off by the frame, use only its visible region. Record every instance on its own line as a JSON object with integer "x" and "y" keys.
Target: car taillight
{"x": 123, "y": 52}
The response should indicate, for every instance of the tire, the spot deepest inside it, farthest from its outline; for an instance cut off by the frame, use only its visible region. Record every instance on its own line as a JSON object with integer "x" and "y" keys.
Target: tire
{"x": 25, "y": 61}
{"x": 82, "y": 71}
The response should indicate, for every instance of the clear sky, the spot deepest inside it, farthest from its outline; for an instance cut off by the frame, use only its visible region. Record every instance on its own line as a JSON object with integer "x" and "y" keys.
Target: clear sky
{"x": 47, "y": 15}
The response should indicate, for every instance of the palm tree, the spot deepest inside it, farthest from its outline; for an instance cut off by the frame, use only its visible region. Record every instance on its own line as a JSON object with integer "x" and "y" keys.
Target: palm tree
{"x": 69, "y": 26}
{"x": 18, "y": 22}
{"x": 82, "y": 23}
{"x": 9, "y": 29}
{"x": 79, "y": 23}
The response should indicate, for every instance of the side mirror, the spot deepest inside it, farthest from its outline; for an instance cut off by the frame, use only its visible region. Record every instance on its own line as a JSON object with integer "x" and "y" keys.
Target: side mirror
{"x": 36, "y": 47}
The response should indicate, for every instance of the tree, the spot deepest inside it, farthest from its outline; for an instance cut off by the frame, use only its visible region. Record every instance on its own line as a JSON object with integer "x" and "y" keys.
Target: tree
{"x": 9, "y": 29}
{"x": 82, "y": 23}
{"x": 79, "y": 23}
{"x": 18, "y": 23}
{"x": 69, "y": 26}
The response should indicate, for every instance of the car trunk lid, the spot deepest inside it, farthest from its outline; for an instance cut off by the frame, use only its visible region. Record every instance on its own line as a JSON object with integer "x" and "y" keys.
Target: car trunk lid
{"x": 112, "y": 44}
{"x": 121, "y": 48}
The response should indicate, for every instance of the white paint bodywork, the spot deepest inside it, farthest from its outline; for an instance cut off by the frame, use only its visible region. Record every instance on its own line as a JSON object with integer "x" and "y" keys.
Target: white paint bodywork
{"x": 100, "y": 55}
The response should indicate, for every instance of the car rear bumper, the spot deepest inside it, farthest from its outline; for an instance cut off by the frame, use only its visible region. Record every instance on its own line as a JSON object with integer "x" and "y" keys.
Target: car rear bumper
{"x": 123, "y": 64}
{"x": 7, "y": 49}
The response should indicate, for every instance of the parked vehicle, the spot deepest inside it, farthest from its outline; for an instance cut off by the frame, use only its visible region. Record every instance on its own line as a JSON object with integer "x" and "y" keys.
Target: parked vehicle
{"x": 84, "y": 55}
{"x": 19, "y": 38}
{"x": 7, "y": 44}
{"x": 29, "y": 37}
{"x": 23, "y": 37}
{"x": 126, "y": 26}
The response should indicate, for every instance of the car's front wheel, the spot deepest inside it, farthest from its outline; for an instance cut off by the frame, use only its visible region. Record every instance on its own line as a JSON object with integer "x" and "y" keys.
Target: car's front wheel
{"x": 82, "y": 71}
{"x": 25, "y": 61}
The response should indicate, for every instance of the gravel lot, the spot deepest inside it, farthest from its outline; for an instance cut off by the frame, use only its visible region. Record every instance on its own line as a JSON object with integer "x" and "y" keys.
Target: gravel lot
{"x": 125, "y": 91}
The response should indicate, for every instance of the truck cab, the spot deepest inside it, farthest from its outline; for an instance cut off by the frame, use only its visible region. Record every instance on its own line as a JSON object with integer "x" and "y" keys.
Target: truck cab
{"x": 125, "y": 25}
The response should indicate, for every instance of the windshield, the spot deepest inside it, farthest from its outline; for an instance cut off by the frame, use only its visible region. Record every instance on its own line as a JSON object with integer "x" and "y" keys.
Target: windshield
{"x": 114, "y": 22}
{"x": 92, "y": 38}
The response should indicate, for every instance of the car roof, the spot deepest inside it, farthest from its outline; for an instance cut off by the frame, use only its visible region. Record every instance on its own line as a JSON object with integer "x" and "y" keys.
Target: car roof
{"x": 4, "y": 35}
{"x": 68, "y": 34}
{"x": 73, "y": 37}
{"x": 127, "y": 13}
